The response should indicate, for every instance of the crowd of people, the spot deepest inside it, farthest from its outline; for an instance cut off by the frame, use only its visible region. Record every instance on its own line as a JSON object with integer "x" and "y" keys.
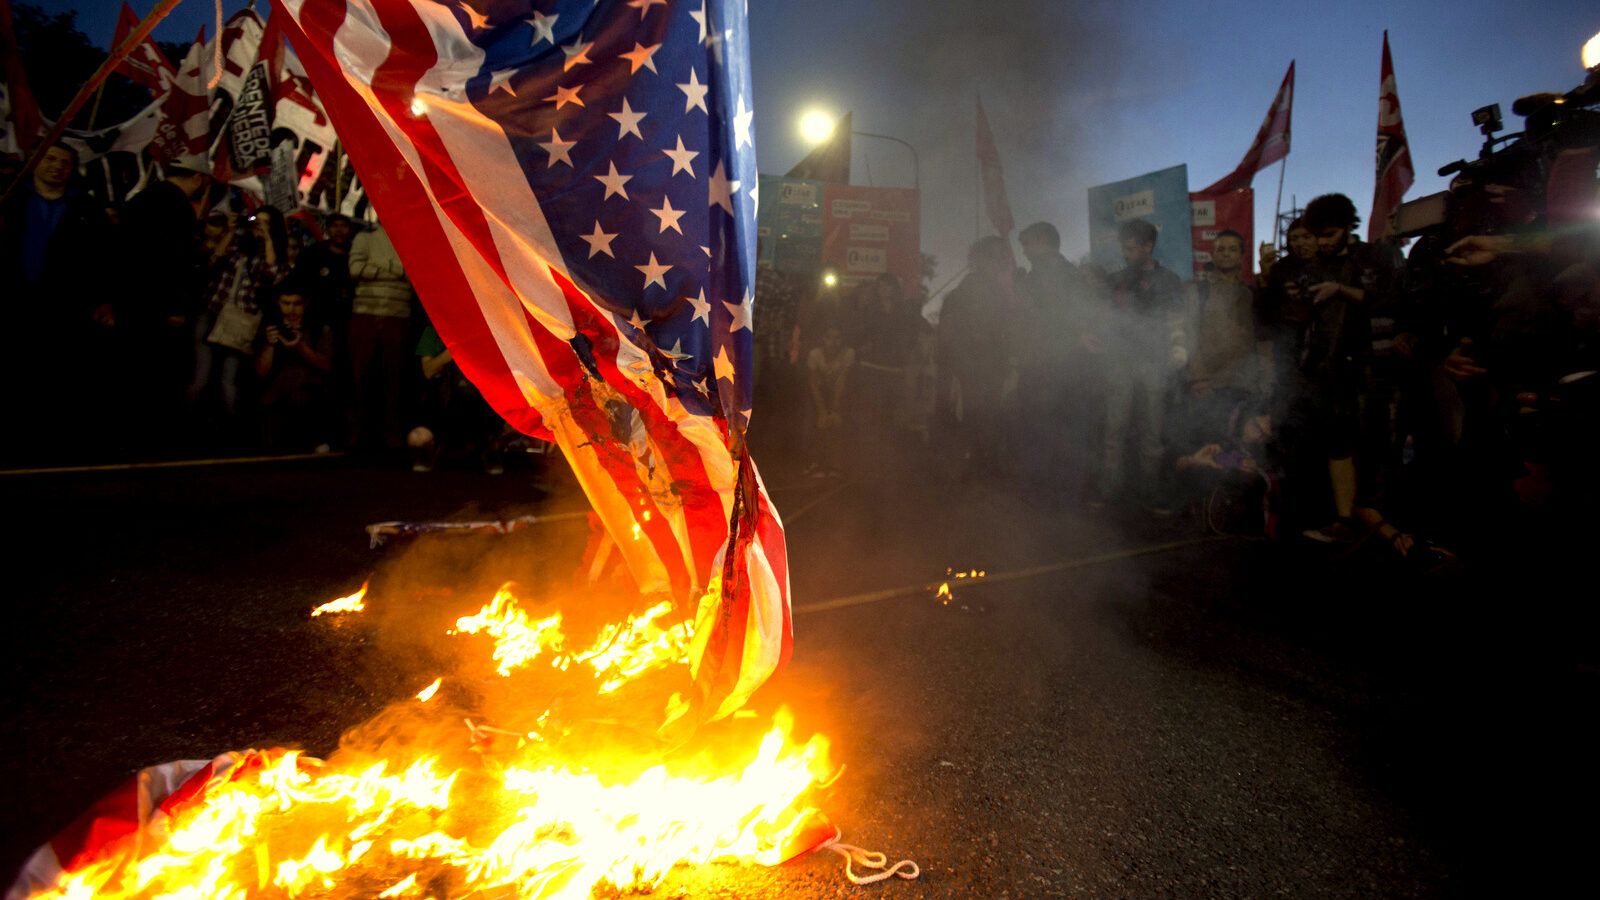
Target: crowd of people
{"x": 1345, "y": 394}
{"x": 153, "y": 330}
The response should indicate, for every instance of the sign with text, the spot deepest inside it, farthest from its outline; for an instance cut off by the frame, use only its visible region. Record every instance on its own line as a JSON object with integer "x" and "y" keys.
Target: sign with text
{"x": 868, "y": 231}
{"x": 789, "y": 224}
{"x": 1212, "y": 214}
{"x": 1160, "y": 198}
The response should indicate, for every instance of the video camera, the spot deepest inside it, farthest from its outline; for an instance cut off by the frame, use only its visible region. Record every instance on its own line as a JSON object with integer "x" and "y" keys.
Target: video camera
{"x": 1505, "y": 186}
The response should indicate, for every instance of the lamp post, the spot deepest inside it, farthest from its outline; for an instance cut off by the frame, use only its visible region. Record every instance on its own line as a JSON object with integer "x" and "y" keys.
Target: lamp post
{"x": 916, "y": 165}
{"x": 818, "y": 126}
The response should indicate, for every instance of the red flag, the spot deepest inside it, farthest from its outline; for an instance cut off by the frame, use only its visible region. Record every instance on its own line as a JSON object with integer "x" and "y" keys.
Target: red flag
{"x": 185, "y": 130}
{"x": 20, "y": 122}
{"x": 995, "y": 201}
{"x": 1271, "y": 143}
{"x": 146, "y": 64}
{"x": 1394, "y": 152}
{"x": 561, "y": 245}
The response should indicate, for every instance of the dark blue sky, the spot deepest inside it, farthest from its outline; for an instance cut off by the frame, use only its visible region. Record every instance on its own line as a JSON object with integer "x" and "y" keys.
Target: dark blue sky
{"x": 1080, "y": 93}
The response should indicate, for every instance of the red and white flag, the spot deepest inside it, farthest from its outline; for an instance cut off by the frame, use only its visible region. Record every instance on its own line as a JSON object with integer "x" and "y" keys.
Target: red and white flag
{"x": 995, "y": 201}
{"x": 146, "y": 64}
{"x": 245, "y": 145}
{"x": 20, "y": 121}
{"x": 572, "y": 189}
{"x": 1271, "y": 143}
{"x": 184, "y": 133}
{"x": 1394, "y": 153}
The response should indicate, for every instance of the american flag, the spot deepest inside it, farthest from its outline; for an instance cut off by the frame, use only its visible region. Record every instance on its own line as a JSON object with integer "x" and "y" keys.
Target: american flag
{"x": 571, "y": 185}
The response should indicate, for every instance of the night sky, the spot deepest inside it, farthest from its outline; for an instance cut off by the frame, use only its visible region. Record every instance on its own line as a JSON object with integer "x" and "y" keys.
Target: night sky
{"x": 1083, "y": 93}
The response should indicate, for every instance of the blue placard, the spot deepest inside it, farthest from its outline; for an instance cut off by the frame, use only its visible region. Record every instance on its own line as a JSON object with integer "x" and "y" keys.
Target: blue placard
{"x": 789, "y": 224}
{"x": 1160, "y": 198}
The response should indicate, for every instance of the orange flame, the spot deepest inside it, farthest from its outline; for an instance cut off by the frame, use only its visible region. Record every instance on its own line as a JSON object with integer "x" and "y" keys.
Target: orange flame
{"x": 352, "y": 603}
{"x": 540, "y": 820}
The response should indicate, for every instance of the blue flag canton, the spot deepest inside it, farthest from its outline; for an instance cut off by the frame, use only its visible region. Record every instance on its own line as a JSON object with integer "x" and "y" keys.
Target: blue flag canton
{"x": 632, "y": 122}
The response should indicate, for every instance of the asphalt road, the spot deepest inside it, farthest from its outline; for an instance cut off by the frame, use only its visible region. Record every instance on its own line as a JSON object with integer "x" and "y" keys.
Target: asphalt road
{"x": 1216, "y": 718}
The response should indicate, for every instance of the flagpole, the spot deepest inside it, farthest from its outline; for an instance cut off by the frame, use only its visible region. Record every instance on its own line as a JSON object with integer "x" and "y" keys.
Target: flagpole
{"x": 117, "y": 55}
{"x": 1277, "y": 205}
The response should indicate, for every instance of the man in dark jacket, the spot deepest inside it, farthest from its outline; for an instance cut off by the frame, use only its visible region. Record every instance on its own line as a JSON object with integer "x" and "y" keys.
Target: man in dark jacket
{"x": 1351, "y": 283}
{"x": 1144, "y": 344}
{"x": 55, "y": 294}
{"x": 1057, "y": 381}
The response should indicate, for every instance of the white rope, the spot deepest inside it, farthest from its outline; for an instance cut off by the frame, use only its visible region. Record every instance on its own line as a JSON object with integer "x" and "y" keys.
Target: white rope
{"x": 870, "y": 859}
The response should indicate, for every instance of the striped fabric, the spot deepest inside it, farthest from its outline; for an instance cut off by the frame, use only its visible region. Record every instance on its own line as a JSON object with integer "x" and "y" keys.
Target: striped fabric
{"x": 571, "y": 185}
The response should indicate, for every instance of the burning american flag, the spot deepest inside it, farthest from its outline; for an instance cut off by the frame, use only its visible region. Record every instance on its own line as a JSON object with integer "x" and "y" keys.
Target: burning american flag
{"x": 572, "y": 186}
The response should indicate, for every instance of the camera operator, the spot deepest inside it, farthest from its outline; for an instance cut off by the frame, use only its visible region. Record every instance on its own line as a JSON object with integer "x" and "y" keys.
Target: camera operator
{"x": 1508, "y": 288}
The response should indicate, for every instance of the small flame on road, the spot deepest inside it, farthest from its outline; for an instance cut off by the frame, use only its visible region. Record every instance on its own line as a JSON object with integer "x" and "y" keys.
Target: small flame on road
{"x": 352, "y": 604}
{"x": 427, "y": 693}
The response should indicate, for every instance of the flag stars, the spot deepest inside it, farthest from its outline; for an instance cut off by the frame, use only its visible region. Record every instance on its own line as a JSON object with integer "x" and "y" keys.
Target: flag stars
{"x": 724, "y": 366}
{"x": 742, "y": 119}
{"x": 702, "y": 308}
{"x": 643, "y": 6}
{"x": 563, "y": 96}
{"x": 559, "y": 150}
{"x": 640, "y": 57}
{"x": 501, "y": 81}
{"x": 700, "y": 19}
{"x": 740, "y": 313}
{"x": 654, "y": 272}
{"x": 681, "y": 158}
{"x": 694, "y": 93}
{"x": 577, "y": 54}
{"x": 614, "y": 183}
{"x": 628, "y": 120}
{"x": 599, "y": 242}
{"x": 544, "y": 28}
{"x": 722, "y": 189}
{"x": 669, "y": 217}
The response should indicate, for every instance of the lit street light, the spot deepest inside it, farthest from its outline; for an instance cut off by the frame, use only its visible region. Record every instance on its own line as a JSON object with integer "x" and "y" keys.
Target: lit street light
{"x": 817, "y": 126}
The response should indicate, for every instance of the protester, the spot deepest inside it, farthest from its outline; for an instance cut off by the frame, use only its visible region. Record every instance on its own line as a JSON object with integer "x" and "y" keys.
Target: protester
{"x": 294, "y": 352}
{"x": 164, "y": 271}
{"x": 379, "y": 324}
{"x": 830, "y": 369}
{"x": 1144, "y": 346}
{"x": 55, "y": 296}
{"x": 1230, "y": 362}
{"x": 245, "y": 264}
{"x": 886, "y": 353}
{"x": 454, "y": 414}
{"x": 1351, "y": 281}
{"x": 1058, "y": 377}
{"x": 975, "y": 352}
{"x": 1282, "y": 310}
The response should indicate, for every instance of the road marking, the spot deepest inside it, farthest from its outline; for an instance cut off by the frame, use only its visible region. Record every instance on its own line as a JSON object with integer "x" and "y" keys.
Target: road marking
{"x": 788, "y": 518}
{"x": 171, "y": 464}
{"x": 1034, "y": 572}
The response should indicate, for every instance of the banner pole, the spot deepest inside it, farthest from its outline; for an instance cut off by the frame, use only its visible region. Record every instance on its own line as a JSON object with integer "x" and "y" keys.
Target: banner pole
{"x": 1277, "y": 205}
{"x": 114, "y": 59}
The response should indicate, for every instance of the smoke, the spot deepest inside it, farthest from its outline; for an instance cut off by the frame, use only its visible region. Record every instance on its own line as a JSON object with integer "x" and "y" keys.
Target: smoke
{"x": 1055, "y": 79}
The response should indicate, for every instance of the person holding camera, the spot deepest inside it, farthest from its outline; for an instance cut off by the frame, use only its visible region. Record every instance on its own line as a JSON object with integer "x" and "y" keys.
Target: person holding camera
{"x": 245, "y": 262}
{"x": 293, "y": 356}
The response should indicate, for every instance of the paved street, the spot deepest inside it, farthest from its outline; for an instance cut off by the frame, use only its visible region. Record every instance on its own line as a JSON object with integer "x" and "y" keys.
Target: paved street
{"x": 1205, "y": 718}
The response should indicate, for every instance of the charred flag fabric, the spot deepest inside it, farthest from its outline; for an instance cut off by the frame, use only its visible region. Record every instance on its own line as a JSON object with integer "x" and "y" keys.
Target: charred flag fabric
{"x": 572, "y": 186}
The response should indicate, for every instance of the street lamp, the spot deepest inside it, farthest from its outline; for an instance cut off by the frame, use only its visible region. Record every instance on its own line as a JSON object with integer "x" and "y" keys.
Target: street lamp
{"x": 817, "y": 126}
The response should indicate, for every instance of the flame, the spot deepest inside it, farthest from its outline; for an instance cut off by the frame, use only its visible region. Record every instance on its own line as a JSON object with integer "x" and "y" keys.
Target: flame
{"x": 427, "y": 693}
{"x": 463, "y": 813}
{"x": 353, "y": 603}
{"x": 618, "y": 653}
